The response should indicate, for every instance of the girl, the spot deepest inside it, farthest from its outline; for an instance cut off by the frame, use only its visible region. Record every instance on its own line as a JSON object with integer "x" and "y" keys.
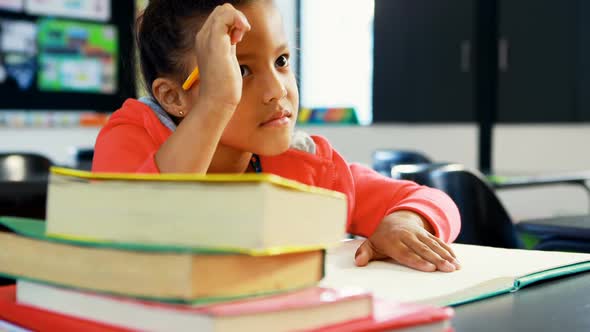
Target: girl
{"x": 239, "y": 117}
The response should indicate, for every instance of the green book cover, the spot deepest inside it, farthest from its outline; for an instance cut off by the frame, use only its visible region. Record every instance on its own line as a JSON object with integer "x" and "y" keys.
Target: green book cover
{"x": 34, "y": 230}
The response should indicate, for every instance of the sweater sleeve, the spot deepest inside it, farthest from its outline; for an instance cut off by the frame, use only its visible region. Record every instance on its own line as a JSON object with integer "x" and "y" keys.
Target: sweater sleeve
{"x": 377, "y": 196}
{"x": 124, "y": 148}
{"x": 372, "y": 196}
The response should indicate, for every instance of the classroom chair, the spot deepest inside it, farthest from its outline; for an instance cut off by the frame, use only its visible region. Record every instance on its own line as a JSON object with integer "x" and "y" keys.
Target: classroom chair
{"x": 23, "y": 184}
{"x": 570, "y": 233}
{"x": 20, "y": 165}
{"x": 384, "y": 159}
{"x": 484, "y": 220}
{"x": 83, "y": 158}
{"x": 551, "y": 243}
{"x": 566, "y": 233}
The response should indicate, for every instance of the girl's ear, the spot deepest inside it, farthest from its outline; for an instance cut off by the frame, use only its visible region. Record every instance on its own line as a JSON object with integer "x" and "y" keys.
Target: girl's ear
{"x": 170, "y": 96}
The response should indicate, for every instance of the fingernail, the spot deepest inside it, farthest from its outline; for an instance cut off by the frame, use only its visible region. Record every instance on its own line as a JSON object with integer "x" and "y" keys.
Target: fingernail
{"x": 431, "y": 267}
{"x": 357, "y": 260}
{"x": 456, "y": 263}
{"x": 448, "y": 267}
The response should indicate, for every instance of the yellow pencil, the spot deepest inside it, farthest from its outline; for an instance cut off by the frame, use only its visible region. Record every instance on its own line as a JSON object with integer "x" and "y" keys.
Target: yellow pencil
{"x": 192, "y": 78}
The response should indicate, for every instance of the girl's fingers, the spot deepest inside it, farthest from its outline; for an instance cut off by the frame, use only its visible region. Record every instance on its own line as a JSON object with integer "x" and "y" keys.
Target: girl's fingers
{"x": 240, "y": 27}
{"x": 408, "y": 257}
{"x": 444, "y": 245}
{"x": 448, "y": 248}
{"x": 366, "y": 253}
{"x": 437, "y": 247}
{"x": 236, "y": 36}
{"x": 423, "y": 250}
{"x": 226, "y": 20}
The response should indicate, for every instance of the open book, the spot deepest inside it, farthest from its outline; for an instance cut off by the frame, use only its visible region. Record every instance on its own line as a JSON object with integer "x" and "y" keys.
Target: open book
{"x": 485, "y": 272}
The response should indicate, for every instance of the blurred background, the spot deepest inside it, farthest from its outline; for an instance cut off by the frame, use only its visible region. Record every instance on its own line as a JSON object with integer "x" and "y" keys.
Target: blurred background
{"x": 500, "y": 86}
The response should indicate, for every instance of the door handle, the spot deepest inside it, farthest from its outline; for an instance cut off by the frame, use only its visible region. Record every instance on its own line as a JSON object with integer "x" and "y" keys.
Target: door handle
{"x": 503, "y": 54}
{"x": 465, "y": 56}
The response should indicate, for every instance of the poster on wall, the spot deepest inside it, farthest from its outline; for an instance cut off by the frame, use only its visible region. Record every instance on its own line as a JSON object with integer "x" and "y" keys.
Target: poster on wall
{"x": 18, "y": 50}
{"x": 18, "y": 36}
{"x": 77, "y": 57}
{"x": 12, "y": 5}
{"x": 99, "y": 10}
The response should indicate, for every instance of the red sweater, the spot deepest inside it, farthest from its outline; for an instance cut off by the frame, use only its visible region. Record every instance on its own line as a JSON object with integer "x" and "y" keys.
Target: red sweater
{"x": 133, "y": 134}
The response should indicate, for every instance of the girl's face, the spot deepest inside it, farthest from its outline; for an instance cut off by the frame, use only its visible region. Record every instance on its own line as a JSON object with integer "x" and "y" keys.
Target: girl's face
{"x": 264, "y": 120}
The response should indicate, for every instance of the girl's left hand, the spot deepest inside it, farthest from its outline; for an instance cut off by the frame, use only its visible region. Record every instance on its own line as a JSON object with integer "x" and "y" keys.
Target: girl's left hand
{"x": 408, "y": 239}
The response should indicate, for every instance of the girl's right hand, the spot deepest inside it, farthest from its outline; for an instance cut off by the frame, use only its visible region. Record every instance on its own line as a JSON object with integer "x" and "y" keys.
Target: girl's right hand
{"x": 220, "y": 75}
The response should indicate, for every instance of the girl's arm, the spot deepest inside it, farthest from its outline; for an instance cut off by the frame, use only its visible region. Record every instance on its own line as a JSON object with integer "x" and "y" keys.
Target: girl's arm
{"x": 405, "y": 221}
{"x": 377, "y": 197}
{"x": 191, "y": 147}
{"x": 402, "y": 220}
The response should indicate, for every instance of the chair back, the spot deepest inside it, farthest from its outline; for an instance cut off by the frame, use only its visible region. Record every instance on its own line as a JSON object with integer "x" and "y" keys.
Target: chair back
{"x": 384, "y": 159}
{"x": 484, "y": 220}
{"x": 83, "y": 158}
{"x": 23, "y": 184}
{"x": 16, "y": 166}
{"x": 563, "y": 244}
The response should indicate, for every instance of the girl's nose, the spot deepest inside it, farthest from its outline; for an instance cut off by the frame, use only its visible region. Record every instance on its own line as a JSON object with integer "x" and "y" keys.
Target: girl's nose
{"x": 275, "y": 89}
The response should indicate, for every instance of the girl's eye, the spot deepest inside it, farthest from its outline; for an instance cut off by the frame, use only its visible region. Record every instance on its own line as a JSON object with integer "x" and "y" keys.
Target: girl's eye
{"x": 245, "y": 70}
{"x": 282, "y": 61}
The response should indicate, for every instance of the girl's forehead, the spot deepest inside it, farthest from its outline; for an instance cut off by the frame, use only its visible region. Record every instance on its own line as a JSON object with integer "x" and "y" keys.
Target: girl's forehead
{"x": 266, "y": 26}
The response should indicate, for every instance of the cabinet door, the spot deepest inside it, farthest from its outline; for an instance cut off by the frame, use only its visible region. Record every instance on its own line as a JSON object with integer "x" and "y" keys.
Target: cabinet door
{"x": 423, "y": 61}
{"x": 583, "y": 61}
{"x": 537, "y": 55}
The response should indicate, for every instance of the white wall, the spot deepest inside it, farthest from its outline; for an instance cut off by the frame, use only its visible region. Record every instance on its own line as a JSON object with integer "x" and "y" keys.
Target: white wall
{"x": 542, "y": 149}
{"x": 55, "y": 143}
{"x": 455, "y": 143}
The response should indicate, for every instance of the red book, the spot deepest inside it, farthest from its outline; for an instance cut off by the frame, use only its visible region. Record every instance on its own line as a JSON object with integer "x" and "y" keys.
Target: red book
{"x": 40, "y": 320}
{"x": 299, "y": 310}
{"x": 382, "y": 315}
{"x": 391, "y": 316}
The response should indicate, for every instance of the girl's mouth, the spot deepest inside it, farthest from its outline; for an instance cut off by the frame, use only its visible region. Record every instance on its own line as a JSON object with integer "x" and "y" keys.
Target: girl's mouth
{"x": 278, "y": 119}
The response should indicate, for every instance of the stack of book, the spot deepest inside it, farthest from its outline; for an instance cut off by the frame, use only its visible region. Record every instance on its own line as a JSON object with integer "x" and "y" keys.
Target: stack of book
{"x": 186, "y": 252}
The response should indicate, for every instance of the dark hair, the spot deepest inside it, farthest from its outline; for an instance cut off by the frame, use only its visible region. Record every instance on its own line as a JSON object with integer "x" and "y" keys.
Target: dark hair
{"x": 165, "y": 31}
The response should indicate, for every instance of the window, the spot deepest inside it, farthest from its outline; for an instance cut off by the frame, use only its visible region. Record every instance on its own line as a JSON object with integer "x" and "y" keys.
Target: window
{"x": 337, "y": 55}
